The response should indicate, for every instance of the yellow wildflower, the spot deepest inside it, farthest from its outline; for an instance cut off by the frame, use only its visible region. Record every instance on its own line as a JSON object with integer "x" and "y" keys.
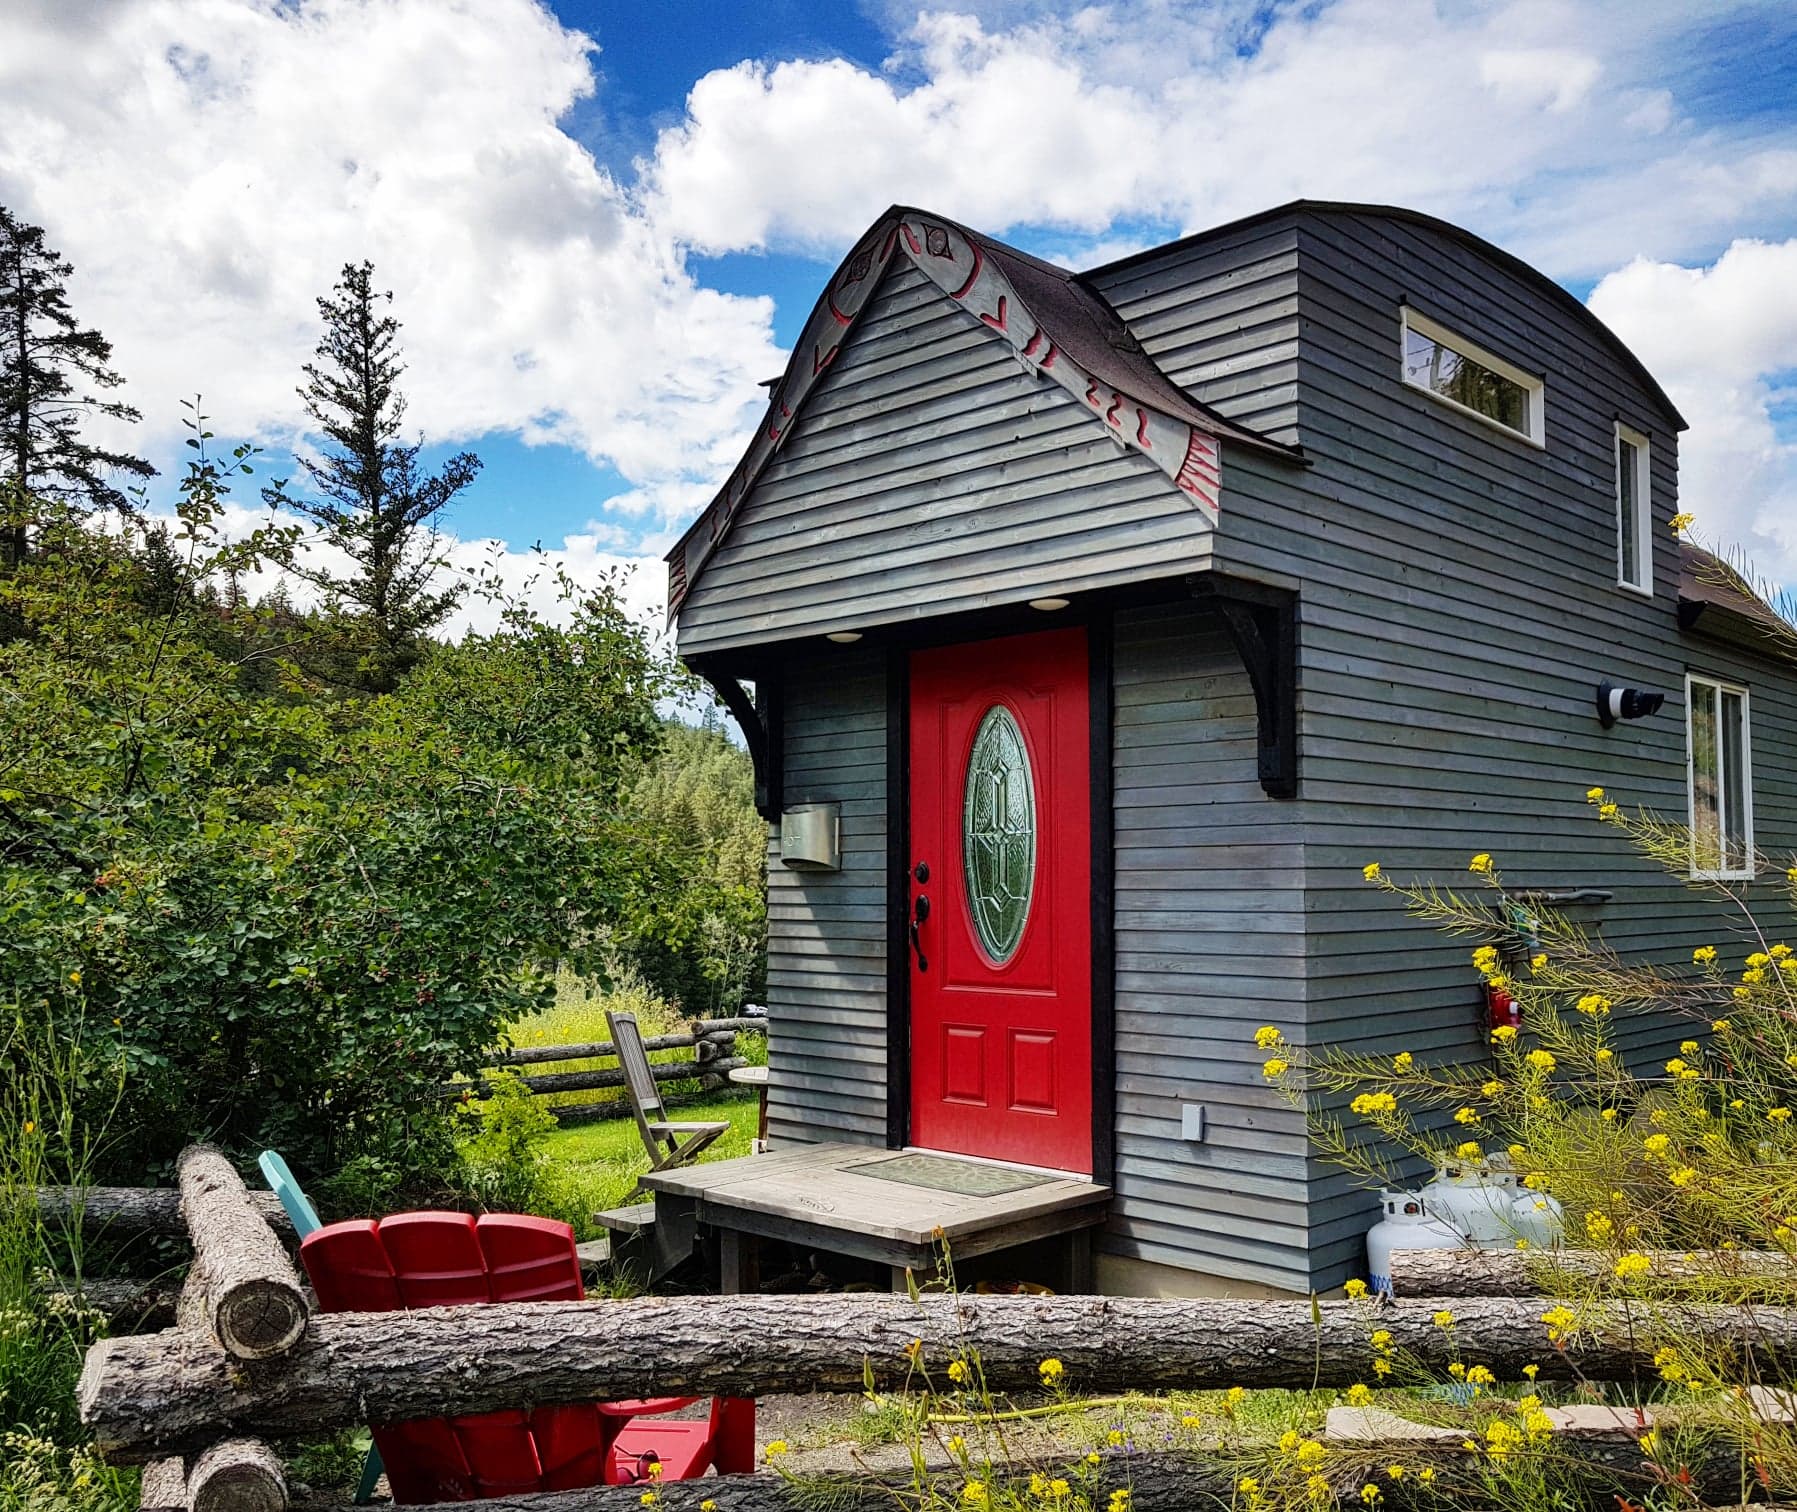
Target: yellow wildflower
{"x": 1560, "y": 1321}
{"x": 1681, "y": 522}
{"x": 1395, "y": 1472}
{"x": 974, "y": 1493}
{"x": 1594, "y": 795}
{"x": 1479, "y": 1375}
{"x": 1608, "y": 1115}
{"x": 1120, "y": 1500}
{"x": 1689, "y": 1047}
{"x": 1051, "y": 1369}
{"x": 1632, "y": 1265}
{"x": 1468, "y": 1151}
{"x": 1778, "y": 1115}
{"x": 75, "y": 977}
{"x": 1490, "y": 1088}
{"x": 1274, "y": 1067}
{"x": 1358, "y": 1395}
{"x": 1380, "y": 1338}
{"x": 1656, "y": 1144}
{"x": 1403, "y": 1061}
{"x": 1466, "y": 1115}
{"x": 1355, "y": 1288}
{"x": 1370, "y": 871}
{"x": 1531, "y": 1371}
{"x": 1369, "y": 1104}
{"x": 1381, "y": 1366}
{"x": 1235, "y": 1396}
{"x": 1593, "y": 1005}
{"x": 1093, "y": 1458}
{"x": 1599, "y": 1226}
{"x": 1704, "y": 955}
{"x": 1114, "y": 1438}
{"x": 1369, "y": 1493}
{"x": 1444, "y": 1319}
{"x": 30, "y": 1126}
{"x": 1058, "y": 1488}
{"x": 1481, "y": 864}
{"x": 1311, "y": 1454}
{"x": 774, "y": 1450}
{"x": 1266, "y": 1037}
{"x": 1542, "y": 1060}
{"x": 1603, "y": 1057}
{"x": 1720, "y": 1026}
{"x": 1538, "y": 960}
{"x": 1485, "y": 958}
{"x": 1503, "y": 1034}
{"x": 1426, "y": 1475}
{"x": 1248, "y": 1485}
{"x": 648, "y": 1498}
{"x": 958, "y": 1371}
{"x": 1682, "y": 1176}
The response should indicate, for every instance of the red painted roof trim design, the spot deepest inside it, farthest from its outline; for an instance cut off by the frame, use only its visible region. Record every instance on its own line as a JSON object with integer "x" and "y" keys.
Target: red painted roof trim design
{"x": 1084, "y": 347}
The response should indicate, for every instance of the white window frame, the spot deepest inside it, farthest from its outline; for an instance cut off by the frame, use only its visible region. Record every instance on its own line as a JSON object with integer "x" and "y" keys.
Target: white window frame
{"x": 1714, "y": 688}
{"x": 1643, "y": 507}
{"x": 1533, "y": 385}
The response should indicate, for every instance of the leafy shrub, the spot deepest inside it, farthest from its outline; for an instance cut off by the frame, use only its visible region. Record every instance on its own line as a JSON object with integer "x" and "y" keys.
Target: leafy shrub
{"x": 302, "y": 913}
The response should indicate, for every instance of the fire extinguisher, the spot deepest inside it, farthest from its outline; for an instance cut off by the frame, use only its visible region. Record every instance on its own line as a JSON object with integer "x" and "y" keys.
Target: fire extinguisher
{"x": 1504, "y": 1010}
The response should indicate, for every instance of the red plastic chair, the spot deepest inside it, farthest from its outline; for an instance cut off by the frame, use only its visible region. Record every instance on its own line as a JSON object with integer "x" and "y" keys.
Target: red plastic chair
{"x": 450, "y": 1259}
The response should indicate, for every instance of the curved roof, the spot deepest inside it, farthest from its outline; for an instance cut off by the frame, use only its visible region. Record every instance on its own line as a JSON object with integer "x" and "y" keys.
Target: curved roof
{"x": 1509, "y": 261}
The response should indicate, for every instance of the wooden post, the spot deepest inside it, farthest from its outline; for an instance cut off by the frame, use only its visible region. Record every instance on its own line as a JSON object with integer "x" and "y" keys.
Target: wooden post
{"x": 164, "y": 1486}
{"x": 248, "y": 1291}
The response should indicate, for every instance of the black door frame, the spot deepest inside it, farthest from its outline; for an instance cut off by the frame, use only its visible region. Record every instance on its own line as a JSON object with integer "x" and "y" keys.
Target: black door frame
{"x": 1097, "y": 624}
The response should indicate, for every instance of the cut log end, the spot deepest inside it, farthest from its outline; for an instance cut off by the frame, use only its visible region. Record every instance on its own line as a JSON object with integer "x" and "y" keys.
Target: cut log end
{"x": 259, "y": 1318}
{"x": 238, "y": 1475}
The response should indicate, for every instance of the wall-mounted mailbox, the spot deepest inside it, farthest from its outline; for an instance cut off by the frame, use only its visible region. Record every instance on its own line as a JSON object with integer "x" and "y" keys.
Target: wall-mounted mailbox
{"x": 811, "y": 837}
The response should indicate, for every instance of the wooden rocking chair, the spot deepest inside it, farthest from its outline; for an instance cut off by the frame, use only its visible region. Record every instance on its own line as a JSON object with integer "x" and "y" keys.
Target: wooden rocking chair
{"x": 663, "y": 1140}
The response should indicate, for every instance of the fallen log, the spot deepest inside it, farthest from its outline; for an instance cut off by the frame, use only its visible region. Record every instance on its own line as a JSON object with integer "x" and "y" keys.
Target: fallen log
{"x": 238, "y": 1475}
{"x": 150, "y": 1394}
{"x": 131, "y": 1211}
{"x": 1523, "y": 1273}
{"x": 243, "y": 1283}
{"x": 122, "y": 1302}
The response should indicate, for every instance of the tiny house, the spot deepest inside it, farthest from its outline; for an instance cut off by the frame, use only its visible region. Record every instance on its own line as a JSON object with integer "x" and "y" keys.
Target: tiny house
{"x": 1090, "y": 632}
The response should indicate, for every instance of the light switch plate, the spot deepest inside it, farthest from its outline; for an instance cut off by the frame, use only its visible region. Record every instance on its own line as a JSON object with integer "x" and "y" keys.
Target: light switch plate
{"x": 1191, "y": 1122}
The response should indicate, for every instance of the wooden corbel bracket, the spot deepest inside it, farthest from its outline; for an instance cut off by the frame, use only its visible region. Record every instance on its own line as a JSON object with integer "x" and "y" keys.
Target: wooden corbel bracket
{"x": 760, "y": 718}
{"x": 1262, "y": 621}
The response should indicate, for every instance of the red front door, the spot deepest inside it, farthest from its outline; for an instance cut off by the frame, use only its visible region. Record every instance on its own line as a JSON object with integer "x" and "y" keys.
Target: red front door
{"x": 1001, "y": 971}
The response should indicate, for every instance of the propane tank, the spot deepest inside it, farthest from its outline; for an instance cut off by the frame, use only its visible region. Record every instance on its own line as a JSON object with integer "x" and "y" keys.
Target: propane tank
{"x": 1536, "y": 1217}
{"x": 1406, "y": 1224}
{"x": 1471, "y": 1200}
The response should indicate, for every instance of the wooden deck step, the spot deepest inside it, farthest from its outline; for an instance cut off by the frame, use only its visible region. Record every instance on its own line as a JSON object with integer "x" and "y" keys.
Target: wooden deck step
{"x": 634, "y": 1219}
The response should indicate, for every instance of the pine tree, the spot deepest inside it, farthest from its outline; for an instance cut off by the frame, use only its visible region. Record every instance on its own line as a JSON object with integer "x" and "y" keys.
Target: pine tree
{"x": 370, "y": 498}
{"x": 52, "y": 377}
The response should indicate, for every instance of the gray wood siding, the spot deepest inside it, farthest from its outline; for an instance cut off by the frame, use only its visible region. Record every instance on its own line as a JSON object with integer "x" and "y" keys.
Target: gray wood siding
{"x": 929, "y": 474}
{"x": 1209, "y": 945}
{"x": 826, "y": 974}
{"x": 1459, "y": 607}
{"x": 1221, "y": 320}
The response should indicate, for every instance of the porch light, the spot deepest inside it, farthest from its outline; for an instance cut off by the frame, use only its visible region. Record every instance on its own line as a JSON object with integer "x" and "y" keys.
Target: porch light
{"x": 1048, "y": 605}
{"x": 844, "y": 637}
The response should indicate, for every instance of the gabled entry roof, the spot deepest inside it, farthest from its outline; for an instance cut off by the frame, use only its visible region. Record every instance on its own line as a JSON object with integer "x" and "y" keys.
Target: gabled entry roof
{"x": 1055, "y": 326}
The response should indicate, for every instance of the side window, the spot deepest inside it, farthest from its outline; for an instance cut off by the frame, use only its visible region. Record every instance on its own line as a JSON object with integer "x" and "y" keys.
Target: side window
{"x": 1718, "y": 747}
{"x": 1461, "y": 374}
{"x": 1634, "y": 510}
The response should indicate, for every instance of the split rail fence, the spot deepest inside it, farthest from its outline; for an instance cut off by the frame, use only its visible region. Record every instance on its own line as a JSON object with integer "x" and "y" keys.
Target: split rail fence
{"x": 248, "y": 1364}
{"x": 712, "y": 1042}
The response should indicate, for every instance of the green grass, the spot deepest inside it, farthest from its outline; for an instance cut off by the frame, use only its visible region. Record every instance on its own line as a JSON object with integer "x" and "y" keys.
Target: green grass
{"x": 608, "y": 1157}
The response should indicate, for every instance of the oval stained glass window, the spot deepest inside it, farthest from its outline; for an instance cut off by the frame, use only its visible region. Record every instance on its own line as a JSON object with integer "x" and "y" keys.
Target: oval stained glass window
{"x": 998, "y": 833}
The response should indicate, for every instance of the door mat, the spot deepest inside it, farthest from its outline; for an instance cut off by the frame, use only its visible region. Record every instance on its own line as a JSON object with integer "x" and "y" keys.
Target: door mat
{"x": 962, "y": 1177}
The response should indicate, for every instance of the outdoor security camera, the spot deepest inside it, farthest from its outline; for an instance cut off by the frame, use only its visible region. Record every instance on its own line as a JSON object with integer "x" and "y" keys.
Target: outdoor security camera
{"x": 1625, "y": 703}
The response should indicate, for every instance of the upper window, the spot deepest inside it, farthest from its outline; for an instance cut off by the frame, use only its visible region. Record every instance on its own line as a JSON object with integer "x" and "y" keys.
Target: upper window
{"x": 1634, "y": 512}
{"x": 1719, "y": 750}
{"x": 1458, "y": 372}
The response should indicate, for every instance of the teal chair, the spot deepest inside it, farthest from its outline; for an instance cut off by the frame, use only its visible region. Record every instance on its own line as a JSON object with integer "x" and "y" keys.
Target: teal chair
{"x": 304, "y": 1218}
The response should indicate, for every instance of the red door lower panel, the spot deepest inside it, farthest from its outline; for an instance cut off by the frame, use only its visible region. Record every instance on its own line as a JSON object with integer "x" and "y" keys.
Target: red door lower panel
{"x": 1001, "y": 976}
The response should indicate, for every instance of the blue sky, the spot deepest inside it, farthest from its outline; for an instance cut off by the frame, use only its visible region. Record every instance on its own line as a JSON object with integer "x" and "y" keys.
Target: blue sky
{"x": 604, "y": 222}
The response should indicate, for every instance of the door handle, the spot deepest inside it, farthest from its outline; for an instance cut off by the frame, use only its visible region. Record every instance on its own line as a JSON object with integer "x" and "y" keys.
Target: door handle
{"x": 920, "y": 910}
